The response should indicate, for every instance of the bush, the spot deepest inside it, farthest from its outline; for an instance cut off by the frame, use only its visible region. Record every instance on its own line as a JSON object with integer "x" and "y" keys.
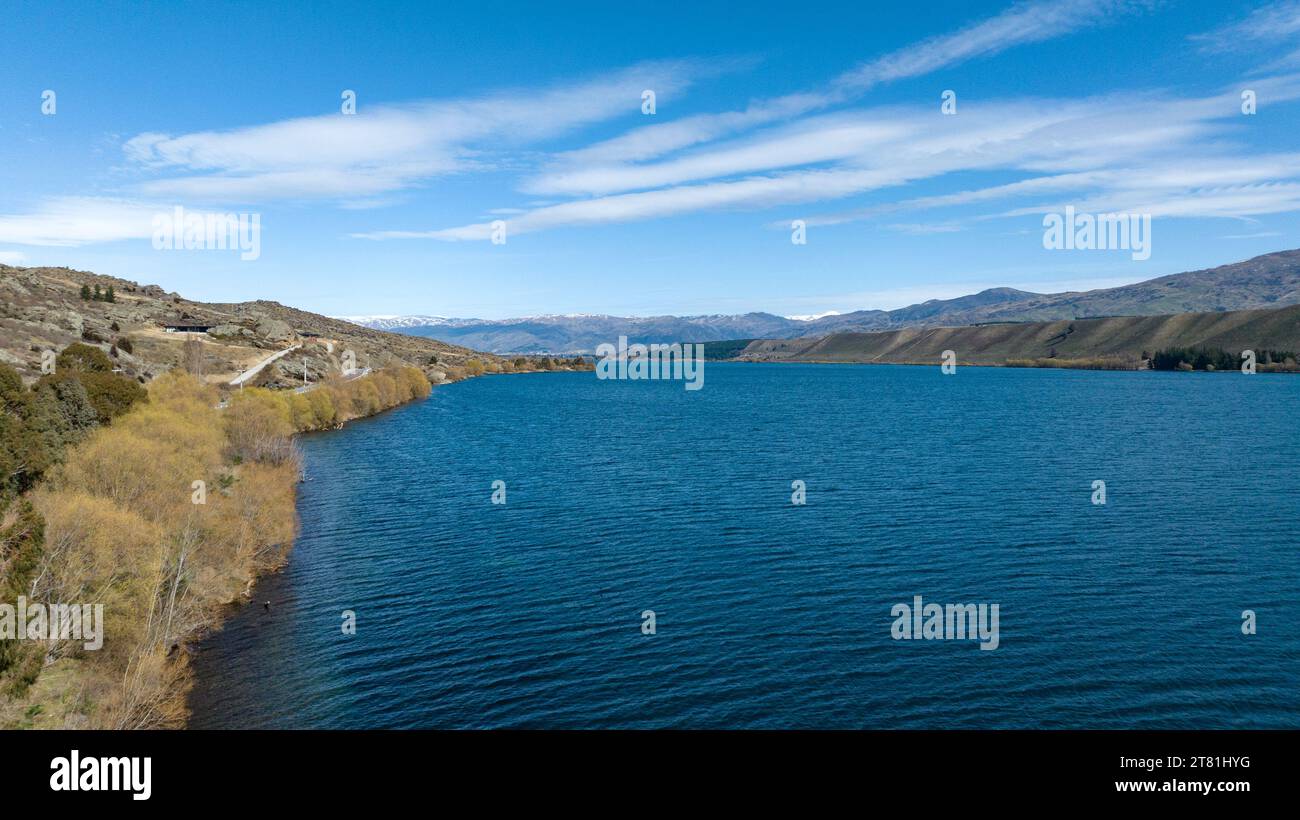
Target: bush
{"x": 322, "y": 408}
{"x": 83, "y": 358}
{"x": 259, "y": 423}
{"x": 111, "y": 395}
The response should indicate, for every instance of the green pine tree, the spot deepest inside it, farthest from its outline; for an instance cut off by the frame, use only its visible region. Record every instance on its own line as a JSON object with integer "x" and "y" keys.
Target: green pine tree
{"x": 85, "y": 293}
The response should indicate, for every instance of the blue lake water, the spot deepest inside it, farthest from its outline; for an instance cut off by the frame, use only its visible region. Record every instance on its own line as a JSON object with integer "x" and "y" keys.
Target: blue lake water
{"x": 632, "y": 496}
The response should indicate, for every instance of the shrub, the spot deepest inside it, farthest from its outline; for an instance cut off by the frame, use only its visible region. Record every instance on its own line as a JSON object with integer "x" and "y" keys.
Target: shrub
{"x": 258, "y": 426}
{"x": 83, "y": 359}
{"x": 111, "y": 395}
{"x": 322, "y": 408}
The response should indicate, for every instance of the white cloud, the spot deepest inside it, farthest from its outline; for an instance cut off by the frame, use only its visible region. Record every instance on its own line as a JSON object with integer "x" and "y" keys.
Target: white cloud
{"x": 85, "y": 220}
{"x": 389, "y": 147}
{"x": 1260, "y": 235}
{"x": 1025, "y": 22}
{"x": 72, "y": 221}
{"x": 1132, "y": 152}
{"x": 922, "y": 229}
{"x": 1149, "y": 151}
{"x": 807, "y": 142}
{"x": 1021, "y": 24}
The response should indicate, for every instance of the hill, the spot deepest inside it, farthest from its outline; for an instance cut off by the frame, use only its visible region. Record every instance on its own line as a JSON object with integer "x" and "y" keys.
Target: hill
{"x": 44, "y": 309}
{"x": 1120, "y": 337}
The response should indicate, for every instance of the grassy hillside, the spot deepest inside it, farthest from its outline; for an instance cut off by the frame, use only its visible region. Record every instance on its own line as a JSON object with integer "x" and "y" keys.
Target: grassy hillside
{"x": 1129, "y": 337}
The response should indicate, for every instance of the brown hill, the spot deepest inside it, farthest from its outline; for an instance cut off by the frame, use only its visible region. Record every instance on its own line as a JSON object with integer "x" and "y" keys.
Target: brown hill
{"x": 43, "y": 309}
{"x": 1131, "y": 337}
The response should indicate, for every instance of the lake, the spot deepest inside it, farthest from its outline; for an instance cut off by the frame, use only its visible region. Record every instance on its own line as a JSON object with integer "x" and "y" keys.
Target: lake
{"x": 624, "y": 497}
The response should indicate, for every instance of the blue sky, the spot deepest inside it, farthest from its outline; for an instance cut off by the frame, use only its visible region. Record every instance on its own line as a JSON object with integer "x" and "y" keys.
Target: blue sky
{"x": 532, "y": 114}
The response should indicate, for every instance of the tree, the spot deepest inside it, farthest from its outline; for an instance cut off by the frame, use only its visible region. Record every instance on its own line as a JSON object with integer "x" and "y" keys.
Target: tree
{"x": 110, "y": 296}
{"x": 23, "y": 452}
{"x": 22, "y": 535}
{"x": 85, "y": 293}
{"x": 192, "y": 356}
{"x": 13, "y": 396}
{"x": 61, "y": 412}
{"x": 98, "y": 297}
{"x": 23, "y": 457}
{"x": 111, "y": 395}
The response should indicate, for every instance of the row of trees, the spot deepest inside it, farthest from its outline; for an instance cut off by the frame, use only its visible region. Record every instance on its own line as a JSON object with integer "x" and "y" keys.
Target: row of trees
{"x": 1215, "y": 358}
{"x": 38, "y": 426}
{"x": 98, "y": 296}
{"x": 477, "y": 367}
{"x": 152, "y": 518}
{"x": 260, "y": 422}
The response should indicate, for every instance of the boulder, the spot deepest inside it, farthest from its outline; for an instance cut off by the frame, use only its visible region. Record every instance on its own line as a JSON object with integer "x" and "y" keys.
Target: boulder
{"x": 274, "y": 330}
{"x": 230, "y": 332}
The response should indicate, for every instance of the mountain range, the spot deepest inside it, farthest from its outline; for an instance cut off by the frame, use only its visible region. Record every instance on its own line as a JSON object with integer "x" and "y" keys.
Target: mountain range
{"x": 1268, "y": 281}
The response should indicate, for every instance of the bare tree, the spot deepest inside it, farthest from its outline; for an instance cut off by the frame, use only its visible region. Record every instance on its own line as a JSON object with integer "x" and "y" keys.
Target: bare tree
{"x": 193, "y": 356}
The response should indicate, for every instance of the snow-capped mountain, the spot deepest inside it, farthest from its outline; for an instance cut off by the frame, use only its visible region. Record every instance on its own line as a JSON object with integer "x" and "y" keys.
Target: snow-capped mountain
{"x": 381, "y": 322}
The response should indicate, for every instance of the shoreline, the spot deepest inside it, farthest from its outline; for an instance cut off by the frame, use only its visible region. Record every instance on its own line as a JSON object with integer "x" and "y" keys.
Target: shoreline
{"x": 233, "y": 608}
{"x": 1260, "y": 369}
{"x": 171, "y": 561}
{"x": 237, "y": 606}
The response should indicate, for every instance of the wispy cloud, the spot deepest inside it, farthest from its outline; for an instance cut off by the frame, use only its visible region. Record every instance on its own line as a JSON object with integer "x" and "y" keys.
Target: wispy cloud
{"x": 383, "y": 148}
{"x": 923, "y": 229}
{"x": 84, "y": 220}
{"x": 1152, "y": 152}
{"x": 1260, "y": 235}
{"x": 1273, "y": 24}
{"x": 1025, "y": 22}
{"x": 72, "y": 221}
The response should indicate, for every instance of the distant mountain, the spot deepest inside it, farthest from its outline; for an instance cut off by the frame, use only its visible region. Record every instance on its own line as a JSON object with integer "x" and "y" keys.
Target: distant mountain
{"x": 583, "y": 333}
{"x": 1272, "y": 280}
